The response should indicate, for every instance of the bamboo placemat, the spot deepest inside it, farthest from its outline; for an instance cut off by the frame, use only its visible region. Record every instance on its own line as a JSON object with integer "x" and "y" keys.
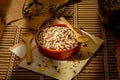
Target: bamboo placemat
{"x": 102, "y": 65}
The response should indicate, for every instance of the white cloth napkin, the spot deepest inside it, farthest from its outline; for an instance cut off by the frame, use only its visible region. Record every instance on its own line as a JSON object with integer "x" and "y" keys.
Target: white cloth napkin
{"x": 61, "y": 70}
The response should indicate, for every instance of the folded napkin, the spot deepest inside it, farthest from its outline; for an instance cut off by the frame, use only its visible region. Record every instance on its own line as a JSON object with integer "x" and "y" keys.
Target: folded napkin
{"x": 59, "y": 69}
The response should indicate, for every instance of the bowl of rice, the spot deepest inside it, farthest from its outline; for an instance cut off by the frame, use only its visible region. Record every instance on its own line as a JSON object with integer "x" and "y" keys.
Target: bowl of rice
{"x": 57, "y": 42}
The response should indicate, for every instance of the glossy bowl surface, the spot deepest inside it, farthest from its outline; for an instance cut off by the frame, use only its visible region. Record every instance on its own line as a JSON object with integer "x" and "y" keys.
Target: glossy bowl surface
{"x": 56, "y": 54}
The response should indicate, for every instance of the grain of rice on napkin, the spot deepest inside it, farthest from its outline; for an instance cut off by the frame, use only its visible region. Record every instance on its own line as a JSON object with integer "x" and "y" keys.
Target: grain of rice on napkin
{"x": 61, "y": 70}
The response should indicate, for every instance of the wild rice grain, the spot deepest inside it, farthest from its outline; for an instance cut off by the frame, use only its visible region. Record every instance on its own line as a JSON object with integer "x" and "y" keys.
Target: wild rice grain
{"x": 57, "y": 38}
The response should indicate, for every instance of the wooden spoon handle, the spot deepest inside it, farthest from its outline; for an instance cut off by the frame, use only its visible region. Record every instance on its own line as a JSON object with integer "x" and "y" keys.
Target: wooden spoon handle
{"x": 79, "y": 37}
{"x": 68, "y": 25}
{"x": 28, "y": 53}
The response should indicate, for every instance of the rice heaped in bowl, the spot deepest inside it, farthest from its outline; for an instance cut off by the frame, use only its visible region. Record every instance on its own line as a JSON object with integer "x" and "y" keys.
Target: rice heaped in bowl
{"x": 57, "y": 42}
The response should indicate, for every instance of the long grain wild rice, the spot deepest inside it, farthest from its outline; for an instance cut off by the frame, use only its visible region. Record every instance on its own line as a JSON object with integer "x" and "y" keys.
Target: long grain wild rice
{"x": 57, "y": 38}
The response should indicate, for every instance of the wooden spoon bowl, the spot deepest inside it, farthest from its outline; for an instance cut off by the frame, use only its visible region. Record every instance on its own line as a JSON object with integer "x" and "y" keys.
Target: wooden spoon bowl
{"x": 27, "y": 39}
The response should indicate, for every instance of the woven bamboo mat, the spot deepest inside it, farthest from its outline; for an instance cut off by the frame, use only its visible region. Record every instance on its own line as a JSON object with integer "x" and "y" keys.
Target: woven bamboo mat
{"x": 102, "y": 66}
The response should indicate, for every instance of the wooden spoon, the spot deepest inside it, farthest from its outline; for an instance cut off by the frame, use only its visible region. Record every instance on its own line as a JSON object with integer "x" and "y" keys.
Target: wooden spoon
{"x": 27, "y": 39}
{"x": 79, "y": 37}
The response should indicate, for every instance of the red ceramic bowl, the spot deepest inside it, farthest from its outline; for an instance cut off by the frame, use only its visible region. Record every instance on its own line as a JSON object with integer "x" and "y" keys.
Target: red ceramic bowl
{"x": 56, "y": 54}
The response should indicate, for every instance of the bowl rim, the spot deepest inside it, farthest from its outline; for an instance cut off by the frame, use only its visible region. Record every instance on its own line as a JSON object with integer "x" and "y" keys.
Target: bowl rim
{"x": 37, "y": 41}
